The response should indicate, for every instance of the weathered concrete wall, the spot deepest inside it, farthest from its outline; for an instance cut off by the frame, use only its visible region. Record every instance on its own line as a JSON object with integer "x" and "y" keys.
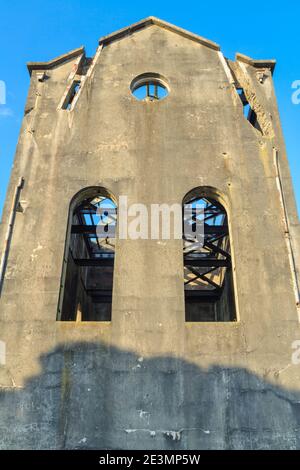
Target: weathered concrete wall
{"x": 147, "y": 379}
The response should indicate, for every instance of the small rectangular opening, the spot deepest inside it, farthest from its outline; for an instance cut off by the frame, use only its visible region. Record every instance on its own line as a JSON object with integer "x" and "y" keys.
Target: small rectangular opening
{"x": 73, "y": 91}
{"x": 249, "y": 113}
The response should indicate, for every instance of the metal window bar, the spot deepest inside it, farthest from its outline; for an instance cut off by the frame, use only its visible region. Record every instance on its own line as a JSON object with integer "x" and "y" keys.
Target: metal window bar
{"x": 210, "y": 255}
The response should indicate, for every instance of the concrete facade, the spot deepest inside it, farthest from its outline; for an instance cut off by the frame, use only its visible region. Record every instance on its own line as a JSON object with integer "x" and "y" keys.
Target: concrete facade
{"x": 148, "y": 379}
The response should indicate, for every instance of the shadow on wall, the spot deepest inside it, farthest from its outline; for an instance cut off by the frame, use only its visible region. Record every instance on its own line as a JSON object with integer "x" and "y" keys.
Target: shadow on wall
{"x": 94, "y": 396}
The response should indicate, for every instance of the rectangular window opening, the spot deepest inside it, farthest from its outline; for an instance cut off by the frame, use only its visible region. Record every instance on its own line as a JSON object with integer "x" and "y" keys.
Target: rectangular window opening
{"x": 249, "y": 113}
{"x": 73, "y": 91}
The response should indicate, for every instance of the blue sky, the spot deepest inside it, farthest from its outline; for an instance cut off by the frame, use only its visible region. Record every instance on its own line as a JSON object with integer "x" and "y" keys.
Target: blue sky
{"x": 36, "y": 31}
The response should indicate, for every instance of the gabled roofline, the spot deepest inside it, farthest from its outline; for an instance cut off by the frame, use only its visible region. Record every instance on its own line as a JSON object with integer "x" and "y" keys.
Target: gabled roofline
{"x": 152, "y": 20}
{"x": 270, "y": 64}
{"x": 56, "y": 61}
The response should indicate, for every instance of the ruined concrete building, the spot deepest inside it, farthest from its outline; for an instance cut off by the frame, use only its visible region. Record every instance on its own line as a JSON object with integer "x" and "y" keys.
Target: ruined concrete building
{"x": 150, "y": 342}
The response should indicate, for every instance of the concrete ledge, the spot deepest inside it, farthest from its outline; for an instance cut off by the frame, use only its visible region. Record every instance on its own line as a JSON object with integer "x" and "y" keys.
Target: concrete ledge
{"x": 56, "y": 61}
{"x": 270, "y": 64}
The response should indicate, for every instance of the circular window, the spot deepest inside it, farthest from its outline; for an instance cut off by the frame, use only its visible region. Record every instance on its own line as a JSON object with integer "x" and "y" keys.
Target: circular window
{"x": 149, "y": 87}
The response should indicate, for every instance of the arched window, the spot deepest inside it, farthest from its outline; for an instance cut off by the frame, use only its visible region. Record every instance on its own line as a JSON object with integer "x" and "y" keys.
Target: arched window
{"x": 87, "y": 281}
{"x": 208, "y": 281}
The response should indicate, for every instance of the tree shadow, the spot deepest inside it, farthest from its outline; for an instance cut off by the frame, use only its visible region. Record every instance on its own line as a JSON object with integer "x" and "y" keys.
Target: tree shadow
{"x": 95, "y": 396}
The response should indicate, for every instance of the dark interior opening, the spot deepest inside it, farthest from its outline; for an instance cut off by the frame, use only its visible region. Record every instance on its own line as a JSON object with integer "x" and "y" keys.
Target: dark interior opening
{"x": 88, "y": 284}
{"x": 208, "y": 281}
